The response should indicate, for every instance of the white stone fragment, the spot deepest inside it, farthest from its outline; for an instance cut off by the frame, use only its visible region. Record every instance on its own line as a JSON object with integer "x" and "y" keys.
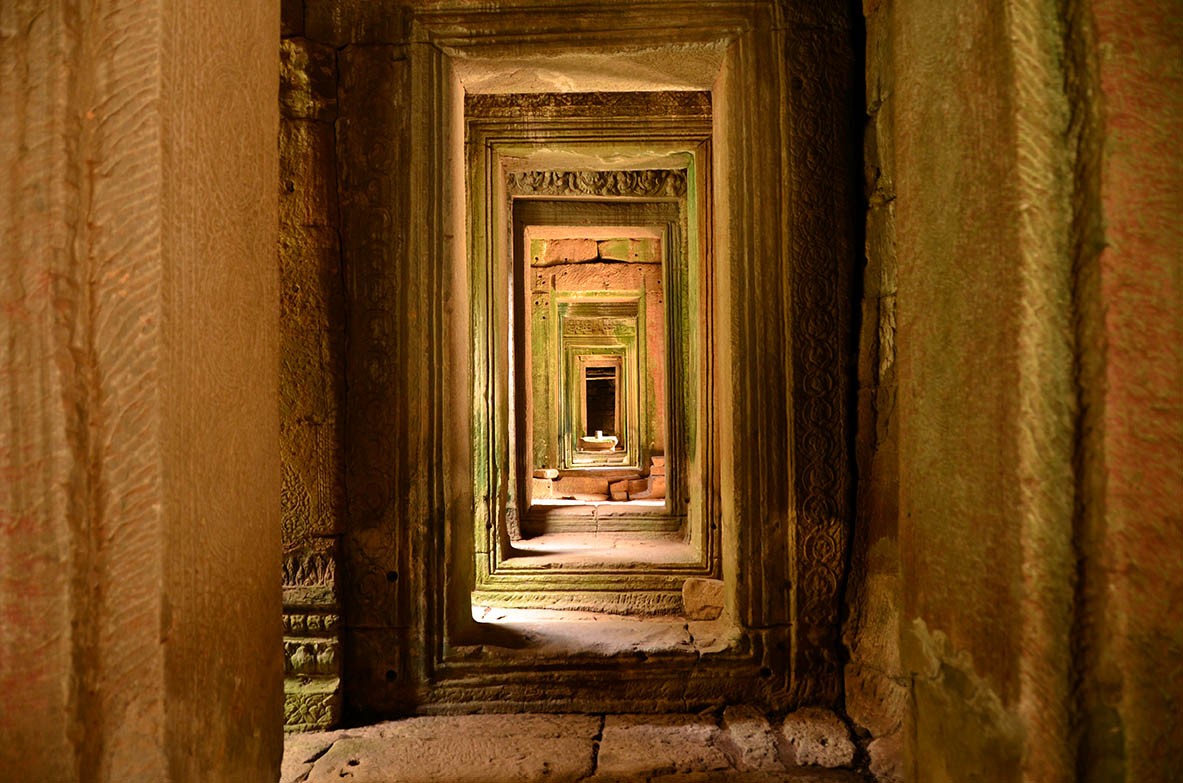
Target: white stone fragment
{"x": 748, "y": 739}
{"x": 815, "y": 736}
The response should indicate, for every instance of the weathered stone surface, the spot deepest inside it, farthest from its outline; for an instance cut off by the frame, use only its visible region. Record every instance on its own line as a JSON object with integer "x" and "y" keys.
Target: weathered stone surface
{"x": 307, "y": 173}
{"x": 541, "y": 488}
{"x": 311, "y": 295}
{"x": 308, "y": 390}
{"x": 138, "y": 300}
{"x": 291, "y": 18}
{"x": 647, "y": 250}
{"x": 311, "y": 702}
{"x": 309, "y": 656}
{"x": 874, "y": 701}
{"x": 301, "y": 749}
{"x": 802, "y": 775}
{"x": 702, "y": 599}
{"x": 634, "y": 747}
{"x": 815, "y": 736}
{"x": 570, "y": 486}
{"x": 312, "y": 491}
{"x": 342, "y": 22}
{"x": 558, "y": 251}
{"x": 748, "y": 739}
{"x": 307, "y": 80}
{"x": 652, "y": 488}
{"x": 463, "y": 749}
{"x": 887, "y": 757}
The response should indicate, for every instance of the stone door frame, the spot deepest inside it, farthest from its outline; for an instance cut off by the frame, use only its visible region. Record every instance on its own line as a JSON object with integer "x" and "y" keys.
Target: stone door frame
{"x": 784, "y": 252}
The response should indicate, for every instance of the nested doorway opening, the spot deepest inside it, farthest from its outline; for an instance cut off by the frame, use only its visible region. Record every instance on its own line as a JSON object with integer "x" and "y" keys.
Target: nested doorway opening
{"x": 590, "y": 222}
{"x": 777, "y": 478}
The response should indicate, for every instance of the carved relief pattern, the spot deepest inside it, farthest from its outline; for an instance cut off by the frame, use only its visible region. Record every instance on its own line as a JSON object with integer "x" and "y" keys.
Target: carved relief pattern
{"x": 306, "y": 711}
{"x": 822, "y": 259}
{"x": 630, "y": 104}
{"x": 310, "y": 624}
{"x": 649, "y": 183}
{"x": 306, "y": 569}
{"x": 310, "y": 656}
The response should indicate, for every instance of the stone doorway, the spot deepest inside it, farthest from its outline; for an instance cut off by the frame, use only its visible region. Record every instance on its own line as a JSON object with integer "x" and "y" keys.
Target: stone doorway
{"x": 425, "y": 520}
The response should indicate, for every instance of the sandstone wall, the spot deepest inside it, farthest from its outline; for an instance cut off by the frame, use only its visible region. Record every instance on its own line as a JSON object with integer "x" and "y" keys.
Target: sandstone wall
{"x": 1126, "y": 69}
{"x": 137, "y": 513}
{"x": 1037, "y": 355}
{"x": 311, "y": 386}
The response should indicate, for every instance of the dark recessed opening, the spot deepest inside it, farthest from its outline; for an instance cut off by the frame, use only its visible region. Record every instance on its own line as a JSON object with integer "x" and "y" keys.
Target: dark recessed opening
{"x": 600, "y": 393}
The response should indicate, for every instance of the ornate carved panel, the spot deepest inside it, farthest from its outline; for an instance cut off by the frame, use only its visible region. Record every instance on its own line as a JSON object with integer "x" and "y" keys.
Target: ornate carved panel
{"x": 643, "y": 183}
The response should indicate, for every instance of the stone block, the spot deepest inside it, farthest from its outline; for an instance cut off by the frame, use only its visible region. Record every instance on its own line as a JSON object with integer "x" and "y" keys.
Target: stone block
{"x": 312, "y": 490}
{"x": 873, "y": 700}
{"x": 645, "y": 250}
{"x": 308, "y": 657}
{"x": 702, "y": 599}
{"x": 311, "y": 623}
{"x": 301, "y": 750}
{"x": 463, "y": 749}
{"x": 546, "y": 473}
{"x": 311, "y": 290}
{"x": 571, "y": 486}
{"x": 657, "y": 466}
{"x": 307, "y": 174}
{"x": 342, "y": 22}
{"x": 308, "y": 390}
{"x": 291, "y": 18}
{"x": 749, "y": 740}
{"x": 311, "y": 703}
{"x": 310, "y": 574}
{"x": 887, "y": 758}
{"x": 619, "y": 490}
{"x": 541, "y": 488}
{"x": 597, "y": 276}
{"x": 815, "y": 736}
{"x": 307, "y": 80}
{"x": 559, "y": 251}
{"x": 635, "y": 747}
{"x": 655, "y": 488}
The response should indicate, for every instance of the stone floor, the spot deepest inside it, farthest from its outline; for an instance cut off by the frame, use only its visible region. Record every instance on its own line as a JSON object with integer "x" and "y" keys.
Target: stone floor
{"x": 740, "y": 746}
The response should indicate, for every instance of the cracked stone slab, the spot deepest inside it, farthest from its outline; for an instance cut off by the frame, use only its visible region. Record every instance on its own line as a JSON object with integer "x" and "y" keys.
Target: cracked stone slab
{"x": 463, "y": 749}
{"x": 638, "y": 747}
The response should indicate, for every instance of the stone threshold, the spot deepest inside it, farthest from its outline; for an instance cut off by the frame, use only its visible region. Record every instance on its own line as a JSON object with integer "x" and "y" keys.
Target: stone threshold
{"x": 738, "y": 744}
